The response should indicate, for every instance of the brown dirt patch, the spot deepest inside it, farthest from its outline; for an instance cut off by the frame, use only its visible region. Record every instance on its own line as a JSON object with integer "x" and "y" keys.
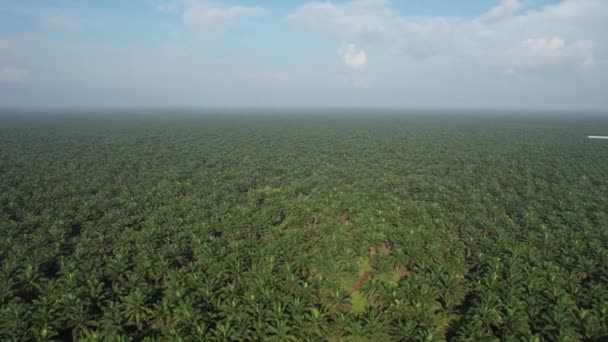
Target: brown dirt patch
{"x": 360, "y": 280}
{"x": 384, "y": 248}
{"x": 345, "y": 218}
{"x": 402, "y": 271}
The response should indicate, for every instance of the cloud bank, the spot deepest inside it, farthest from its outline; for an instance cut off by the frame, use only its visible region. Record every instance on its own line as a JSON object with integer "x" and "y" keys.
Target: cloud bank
{"x": 207, "y": 19}
{"x": 508, "y": 36}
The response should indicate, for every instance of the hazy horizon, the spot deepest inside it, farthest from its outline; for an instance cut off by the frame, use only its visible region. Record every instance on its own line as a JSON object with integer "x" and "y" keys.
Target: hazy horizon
{"x": 372, "y": 110}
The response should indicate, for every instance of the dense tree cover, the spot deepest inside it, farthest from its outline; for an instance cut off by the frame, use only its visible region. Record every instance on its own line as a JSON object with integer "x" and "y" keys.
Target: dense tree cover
{"x": 287, "y": 228}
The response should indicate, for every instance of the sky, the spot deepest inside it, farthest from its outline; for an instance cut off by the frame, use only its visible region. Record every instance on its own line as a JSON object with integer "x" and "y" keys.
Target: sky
{"x": 500, "y": 54}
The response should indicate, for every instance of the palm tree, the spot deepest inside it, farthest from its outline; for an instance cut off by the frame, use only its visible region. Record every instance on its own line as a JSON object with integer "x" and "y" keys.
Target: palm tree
{"x": 15, "y": 320}
{"x": 111, "y": 323}
{"x": 279, "y": 330}
{"x": 161, "y": 316}
{"x": 134, "y": 308}
{"x": 315, "y": 323}
{"x": 44, "y": 318}
{"x": 224, "y": 332}
{"x": 30, "y": 281}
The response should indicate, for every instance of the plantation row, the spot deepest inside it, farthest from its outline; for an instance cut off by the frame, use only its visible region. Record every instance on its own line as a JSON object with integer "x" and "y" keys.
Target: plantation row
{"x": 313, "y": 227}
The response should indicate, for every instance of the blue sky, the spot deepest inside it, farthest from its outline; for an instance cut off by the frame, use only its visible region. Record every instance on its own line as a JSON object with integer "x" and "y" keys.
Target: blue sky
{"x": 504, "y": 54}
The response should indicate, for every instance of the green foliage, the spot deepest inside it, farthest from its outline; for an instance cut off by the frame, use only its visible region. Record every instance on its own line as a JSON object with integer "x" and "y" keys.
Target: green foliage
{"x": 303, "y": 228}
{"x": 358, "y": 303}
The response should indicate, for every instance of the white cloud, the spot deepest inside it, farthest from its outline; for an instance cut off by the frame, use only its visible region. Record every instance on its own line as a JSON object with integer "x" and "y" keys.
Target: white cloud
{"x": 509, "y": 35}
{"x": 350, "y": 20}
{"x": 544, "y": 47}
{"x": 12, "y": 74}
{"x": 207, "y": 19}
{"x": 504, "y": 9}
{"x": 353, "y": 58}
{"x": 545, "y": 51}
